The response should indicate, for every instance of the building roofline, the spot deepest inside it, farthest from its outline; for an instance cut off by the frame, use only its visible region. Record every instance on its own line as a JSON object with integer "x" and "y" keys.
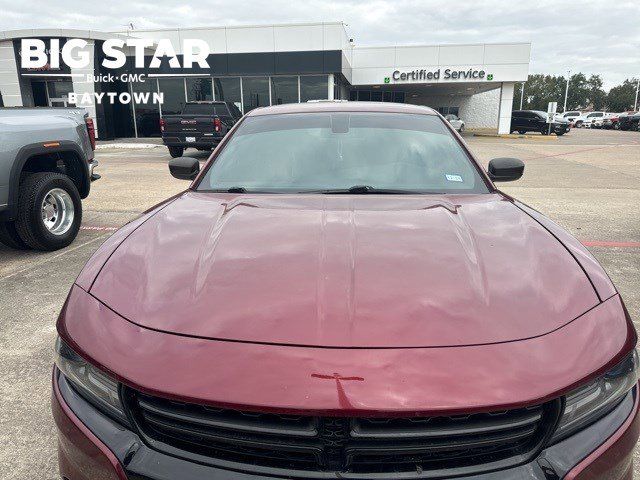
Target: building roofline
{"x": 220, "y": 27}
{"x": 57, "y": 32}
{"x": 371, "y": 47}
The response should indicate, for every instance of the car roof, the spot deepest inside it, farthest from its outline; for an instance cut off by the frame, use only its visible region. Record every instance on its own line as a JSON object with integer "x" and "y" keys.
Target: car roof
{"x": 342, "y": 106}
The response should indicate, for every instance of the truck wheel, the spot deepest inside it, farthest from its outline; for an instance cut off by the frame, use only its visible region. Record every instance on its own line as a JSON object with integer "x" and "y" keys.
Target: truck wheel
{"x": 522, "y": 132}
{"x": 9, "y": 236}
{"x": 49, "y": 211}
{"x": 176, "y": 152}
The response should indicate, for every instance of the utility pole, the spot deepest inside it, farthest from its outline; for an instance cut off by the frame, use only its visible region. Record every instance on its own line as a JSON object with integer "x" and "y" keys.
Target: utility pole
{"x": 522, "y": 95}
{"x": 566, "y": 92}
{"x": 635, "y": 103}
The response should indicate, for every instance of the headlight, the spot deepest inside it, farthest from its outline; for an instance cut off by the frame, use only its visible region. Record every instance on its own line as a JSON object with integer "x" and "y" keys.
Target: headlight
{"x": 91, "y": 383}
{"x": 594, "y": 400}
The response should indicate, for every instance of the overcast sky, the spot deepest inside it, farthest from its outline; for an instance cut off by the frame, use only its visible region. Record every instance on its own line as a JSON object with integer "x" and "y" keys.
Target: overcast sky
{"x": 592, "y": 36}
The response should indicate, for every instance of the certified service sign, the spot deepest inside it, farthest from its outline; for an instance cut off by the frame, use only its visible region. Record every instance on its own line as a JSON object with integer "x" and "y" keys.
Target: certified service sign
{"x": 447, "y": 74}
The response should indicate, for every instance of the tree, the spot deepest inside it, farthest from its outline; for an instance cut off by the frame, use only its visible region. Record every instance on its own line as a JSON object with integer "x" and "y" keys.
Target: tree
{"x": 596, "y": 95}
{"x": 621, "y": 97}
{"x": 540, "y": 89}
{"x": 578, "y": 92}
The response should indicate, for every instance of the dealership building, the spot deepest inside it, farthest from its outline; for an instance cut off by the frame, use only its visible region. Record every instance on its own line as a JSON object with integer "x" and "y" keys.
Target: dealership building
{"x": 261, "y": 65}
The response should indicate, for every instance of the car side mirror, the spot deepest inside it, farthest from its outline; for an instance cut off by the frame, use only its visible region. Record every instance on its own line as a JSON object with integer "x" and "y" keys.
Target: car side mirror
{"x": 184, "y": 168}
{"x": 505, "y": 169}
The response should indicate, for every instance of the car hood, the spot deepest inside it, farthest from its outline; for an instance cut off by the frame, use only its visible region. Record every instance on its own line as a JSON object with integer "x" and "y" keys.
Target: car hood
{"x": 351, "y": 271}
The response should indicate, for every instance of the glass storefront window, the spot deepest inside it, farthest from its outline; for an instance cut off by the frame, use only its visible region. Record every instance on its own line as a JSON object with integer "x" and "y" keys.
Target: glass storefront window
{"x": 255, "y": 92}
{"x": 449, "y": 110}
{"x": 199, "y": 89}
{"x": 284, "y": 90}
{"x": 147, "y": 113}
{"x": 398, "y": 97}
{"x": 60, "y": 89}
{"x": 58, "y": 92}
{"x": 364, "y": 96}
{"x": 227, "y": 89}
{"x": 173, "y": 90}
{"x": 314, "y": 87}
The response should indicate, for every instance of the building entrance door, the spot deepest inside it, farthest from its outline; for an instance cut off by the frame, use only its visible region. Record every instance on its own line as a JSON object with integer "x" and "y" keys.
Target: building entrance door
{"x": 51, "y": 93}
{"x": 40, "y": 96}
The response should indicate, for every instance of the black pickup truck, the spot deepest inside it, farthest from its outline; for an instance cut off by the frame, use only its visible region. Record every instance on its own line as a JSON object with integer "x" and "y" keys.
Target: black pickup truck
{"x": 201, "y": 125}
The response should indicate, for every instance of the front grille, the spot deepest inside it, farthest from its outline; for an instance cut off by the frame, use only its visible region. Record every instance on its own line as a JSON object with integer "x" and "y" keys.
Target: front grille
{"x": 309, "y": 445}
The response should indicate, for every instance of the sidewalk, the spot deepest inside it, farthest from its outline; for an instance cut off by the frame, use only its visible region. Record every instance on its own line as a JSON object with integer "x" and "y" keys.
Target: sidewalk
{"x": 129, "y": 143}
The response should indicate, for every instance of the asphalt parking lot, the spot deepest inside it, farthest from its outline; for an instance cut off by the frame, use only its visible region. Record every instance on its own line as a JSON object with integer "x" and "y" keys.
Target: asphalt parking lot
{"x": 587, "y": 181}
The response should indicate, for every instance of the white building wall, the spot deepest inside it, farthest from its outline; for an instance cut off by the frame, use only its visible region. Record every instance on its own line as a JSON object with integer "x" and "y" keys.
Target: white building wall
{"x": 9, "y": 80}
{"x": 479, "y": 111}
{"x": 506, "y": 104}
{"x": 504, "y": 62}
{"x": 294, "y": 37}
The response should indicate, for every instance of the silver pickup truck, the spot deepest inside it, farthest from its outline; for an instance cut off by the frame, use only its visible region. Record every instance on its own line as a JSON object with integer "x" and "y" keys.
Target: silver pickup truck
{"x": 46, "y": 168}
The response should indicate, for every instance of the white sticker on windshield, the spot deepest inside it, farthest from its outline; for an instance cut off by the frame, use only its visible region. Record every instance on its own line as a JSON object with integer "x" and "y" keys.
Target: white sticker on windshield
{"x": 454, "y": 178}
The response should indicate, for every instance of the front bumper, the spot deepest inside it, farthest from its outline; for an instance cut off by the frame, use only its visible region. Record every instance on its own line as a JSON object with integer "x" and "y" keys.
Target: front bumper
{"x": 91, "y": 445}
{"x": 92, "y": 166}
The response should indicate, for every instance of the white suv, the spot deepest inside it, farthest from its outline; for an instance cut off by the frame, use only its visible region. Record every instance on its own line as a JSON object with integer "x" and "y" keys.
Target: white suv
{"x": 590, "y": 119}
{"x": 570, "y": 116}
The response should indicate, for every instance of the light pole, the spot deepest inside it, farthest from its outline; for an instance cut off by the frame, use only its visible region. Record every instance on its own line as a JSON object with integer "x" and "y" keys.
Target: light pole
{"x": 522, "y": 95}
{"x": 566, "y": 92}
{"x": 635, "y": 103}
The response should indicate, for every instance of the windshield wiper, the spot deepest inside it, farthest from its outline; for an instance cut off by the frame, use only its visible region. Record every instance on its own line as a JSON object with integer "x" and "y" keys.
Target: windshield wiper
{"x": 363, "y": 189}
{"x": 236, "y": 190}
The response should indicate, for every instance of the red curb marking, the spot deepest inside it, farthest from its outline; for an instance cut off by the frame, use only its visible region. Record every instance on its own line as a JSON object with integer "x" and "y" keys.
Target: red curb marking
{"x": 572, "y": 152}
{"x": 596, "y": 243}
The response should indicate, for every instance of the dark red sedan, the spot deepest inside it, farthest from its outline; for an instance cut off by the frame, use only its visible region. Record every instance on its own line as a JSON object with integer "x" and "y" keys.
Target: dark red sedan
{"x": 342, "y": 292}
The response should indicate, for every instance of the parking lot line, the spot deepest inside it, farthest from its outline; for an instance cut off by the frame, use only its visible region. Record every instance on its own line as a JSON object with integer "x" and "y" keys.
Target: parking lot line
{"x": 596, "y": 243}
{"x": 47, "y": 259}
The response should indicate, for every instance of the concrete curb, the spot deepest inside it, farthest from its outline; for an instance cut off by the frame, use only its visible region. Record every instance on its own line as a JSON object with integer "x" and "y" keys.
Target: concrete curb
{"x": 106, "y": 146}
{"x": 513, "y": 136}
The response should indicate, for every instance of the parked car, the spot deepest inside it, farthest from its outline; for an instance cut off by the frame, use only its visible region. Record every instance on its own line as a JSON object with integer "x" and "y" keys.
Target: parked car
{"x": 455, "y": 122}
{"x": 599, "y": 121}
{"x": 523, "y": 121}
{"x": 200, "y": 125}
{"x": 343, "y": 292}
{"x": 589, "y": 119}
{"x": 46, "y": 168}
{"x": 630, "y": 121}
{"x": 611, "y": 120}
{"x": 571, "y": 116}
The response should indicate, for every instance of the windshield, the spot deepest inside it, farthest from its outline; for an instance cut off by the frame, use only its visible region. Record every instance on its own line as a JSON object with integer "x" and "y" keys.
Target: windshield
{"x": 316, "y": 152}
{"x": 205, "y": 109}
